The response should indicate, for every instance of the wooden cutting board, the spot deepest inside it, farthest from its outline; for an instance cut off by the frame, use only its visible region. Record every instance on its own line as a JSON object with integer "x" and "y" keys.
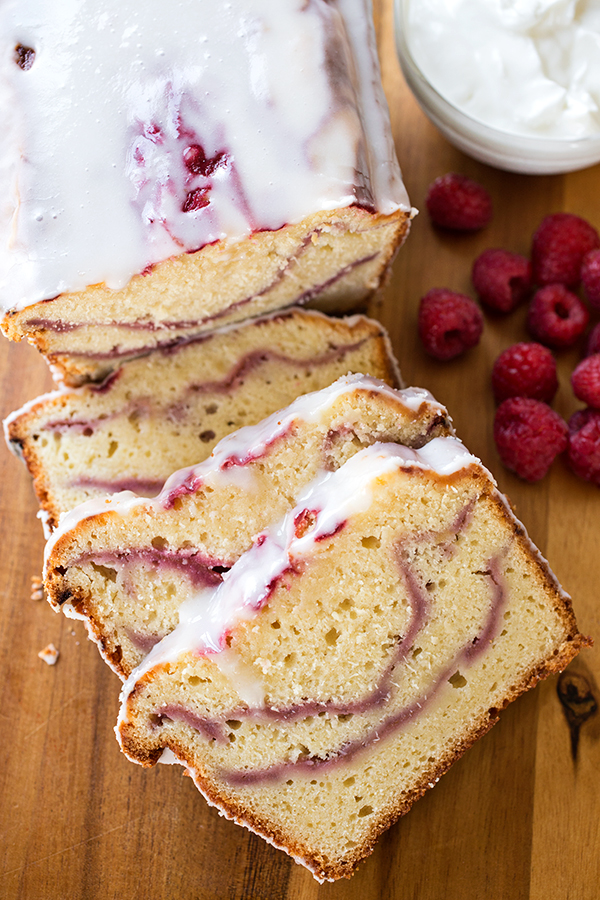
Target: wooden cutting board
{"x": 518, "y": 817}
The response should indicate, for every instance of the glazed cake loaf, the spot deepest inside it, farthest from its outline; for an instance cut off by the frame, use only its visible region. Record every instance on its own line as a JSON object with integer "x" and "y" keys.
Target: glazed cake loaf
{"x": 125, "y": 565}
{"x": 353, "y": 653}
{"x": 205, "y": 165}
{"x": 167, "y": 410}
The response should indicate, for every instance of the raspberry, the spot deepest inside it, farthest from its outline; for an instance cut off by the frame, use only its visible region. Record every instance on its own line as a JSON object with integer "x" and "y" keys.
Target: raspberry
{"x": 458, "y": 203}
{"x": 590, "y": 277}
{"x": 196, "y": 199}
{"x": 449, "y": 323}
{"x": 198, "y": 163}
{"x": 556, "y": 316}
{"x": 525, "y": 370}
{"x": 501, "y": 279}
{"x": 559, "y": 245}
{"x": 593, "y": 341}
{"x": 529, "y": 436}
{"x": 584, "y": 444}
{"x": 586, "y": 381}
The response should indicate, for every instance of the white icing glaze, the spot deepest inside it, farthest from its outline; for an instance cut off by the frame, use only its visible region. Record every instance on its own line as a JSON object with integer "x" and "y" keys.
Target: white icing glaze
{"x": 446, "y": 456}
{"x": 93, "y": 176}
{"x": 168, "y": 758}
{"x": 247, "y": 443}
{"x": 331, "y": 499}
{"x": 248, "y": 684}
{"x": 413, "y": 397}
{"x": 44, "y": 518}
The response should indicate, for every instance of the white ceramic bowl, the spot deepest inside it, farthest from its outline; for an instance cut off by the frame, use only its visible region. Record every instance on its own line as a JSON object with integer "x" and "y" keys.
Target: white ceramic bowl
{"x": 513, "y": 152}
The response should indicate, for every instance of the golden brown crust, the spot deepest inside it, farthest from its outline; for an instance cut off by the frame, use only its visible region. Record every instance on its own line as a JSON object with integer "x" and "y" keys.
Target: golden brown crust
{"x": 324, "y": 869}
{"x": 67, "y": 546}
{"x": 79, "y": 601}
{"x": 18, "y": 435}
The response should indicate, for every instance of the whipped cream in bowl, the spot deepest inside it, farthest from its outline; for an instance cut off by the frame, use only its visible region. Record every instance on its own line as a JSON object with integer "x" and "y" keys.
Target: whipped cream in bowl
{"x": 513, "y": 83}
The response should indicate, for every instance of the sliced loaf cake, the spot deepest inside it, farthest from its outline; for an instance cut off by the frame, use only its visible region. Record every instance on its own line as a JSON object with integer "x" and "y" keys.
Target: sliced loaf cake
{"x": 167, "y": 410}
{"x": 353, "y": 653}
{"x": 125, "y": 565}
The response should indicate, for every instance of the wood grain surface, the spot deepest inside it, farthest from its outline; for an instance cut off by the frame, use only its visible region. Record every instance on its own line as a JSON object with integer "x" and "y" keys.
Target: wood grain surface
{"x": 518, "y": 817}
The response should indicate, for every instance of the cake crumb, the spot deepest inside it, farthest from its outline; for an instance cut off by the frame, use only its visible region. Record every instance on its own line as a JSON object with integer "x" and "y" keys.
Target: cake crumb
{"x": 37, "y": 588}
{"x": 49, "y": 654}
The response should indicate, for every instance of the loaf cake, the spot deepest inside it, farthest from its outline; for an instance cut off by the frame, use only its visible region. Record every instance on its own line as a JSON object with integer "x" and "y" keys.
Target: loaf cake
{"x": 353, "y": 653}
{"x": 167, "y": 410}
{"x": 206, "y": 164}
{"x": 126, "y": 564}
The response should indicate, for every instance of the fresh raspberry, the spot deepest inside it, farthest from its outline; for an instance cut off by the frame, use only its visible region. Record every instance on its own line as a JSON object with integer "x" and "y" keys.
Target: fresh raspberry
{"x": 502, "y": 279}
{"x": 590, "y": 277}
{"x": 584, "y": 444}
{"x": 449, "y": 323}
{"x": 525, "y": 370}
{"x": 458, "y": 203}
{"x": 593, "y": 341}
{"x": 586, "y": 381}
{"x": 556, "y": 316}
{"x": 529, "y": 436}
{"x": 559, "y": 245}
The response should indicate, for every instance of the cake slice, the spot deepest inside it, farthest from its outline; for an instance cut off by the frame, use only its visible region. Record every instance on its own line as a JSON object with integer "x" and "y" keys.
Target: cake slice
{"x": 353, "y": 653}
{"x": 125, "y": 565}
{"x": 168, "y": 410}
{"x": 225, "y": 163}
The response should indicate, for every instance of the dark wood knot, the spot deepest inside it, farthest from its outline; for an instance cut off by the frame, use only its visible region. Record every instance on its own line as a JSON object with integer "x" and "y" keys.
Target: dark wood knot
{"x": 578, "y": 702}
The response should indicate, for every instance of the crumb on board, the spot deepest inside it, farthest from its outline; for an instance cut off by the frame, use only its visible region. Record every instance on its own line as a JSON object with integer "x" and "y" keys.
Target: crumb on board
{"x": 49, "y": 654}
{"x": 37, "y": 588}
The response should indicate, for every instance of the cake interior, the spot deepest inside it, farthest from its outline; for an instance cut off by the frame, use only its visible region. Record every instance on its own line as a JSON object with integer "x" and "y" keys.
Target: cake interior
{"x": 376, "y": 660}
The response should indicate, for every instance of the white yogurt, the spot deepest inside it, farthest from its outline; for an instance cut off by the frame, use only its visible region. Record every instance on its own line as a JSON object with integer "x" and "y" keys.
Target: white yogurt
{"x": 528, "y": 67}
{"x": 515, "y": 83}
